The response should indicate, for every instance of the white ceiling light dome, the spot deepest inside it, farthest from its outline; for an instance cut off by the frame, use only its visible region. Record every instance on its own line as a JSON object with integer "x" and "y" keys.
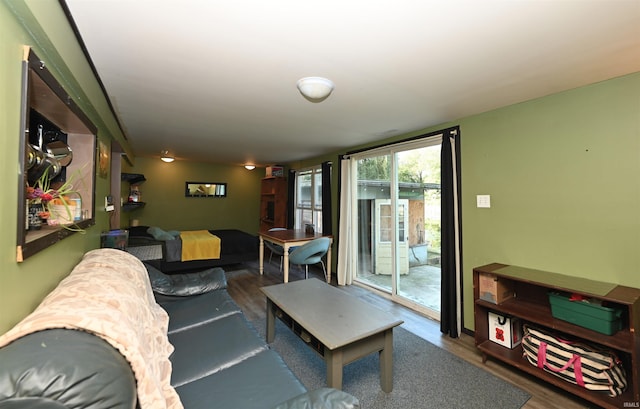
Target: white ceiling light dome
{"x": 315, "y": 89}
{"x": 165, "y": 156}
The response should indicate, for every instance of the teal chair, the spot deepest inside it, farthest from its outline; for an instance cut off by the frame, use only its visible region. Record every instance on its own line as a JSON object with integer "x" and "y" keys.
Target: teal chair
{"x": 311, "y": 253}
{"x": 274, "y": 248}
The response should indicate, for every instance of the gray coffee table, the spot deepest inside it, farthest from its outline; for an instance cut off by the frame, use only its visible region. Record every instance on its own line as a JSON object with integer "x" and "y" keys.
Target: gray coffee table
{"x": 337, "y": 325}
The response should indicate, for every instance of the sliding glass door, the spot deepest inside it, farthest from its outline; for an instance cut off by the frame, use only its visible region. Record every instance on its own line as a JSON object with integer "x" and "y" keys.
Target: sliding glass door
{"x": 398, "y": 223}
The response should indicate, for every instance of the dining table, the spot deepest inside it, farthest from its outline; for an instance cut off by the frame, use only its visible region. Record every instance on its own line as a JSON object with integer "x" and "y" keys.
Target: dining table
{"x": 291, "y": 238}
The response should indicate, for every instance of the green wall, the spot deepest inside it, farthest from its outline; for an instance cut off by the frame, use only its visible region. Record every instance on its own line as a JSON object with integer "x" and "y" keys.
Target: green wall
{"x": 23, "y": 285}
{"x": 168, "y": 208}
{"x": 562, "y": 171}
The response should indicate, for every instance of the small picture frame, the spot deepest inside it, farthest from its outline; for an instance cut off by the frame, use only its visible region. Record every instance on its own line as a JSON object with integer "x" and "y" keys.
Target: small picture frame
{"x": 103, "y": 159}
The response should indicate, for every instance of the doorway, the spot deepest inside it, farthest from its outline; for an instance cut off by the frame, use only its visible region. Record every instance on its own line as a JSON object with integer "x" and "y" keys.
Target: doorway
{"x": 398, "y": 224}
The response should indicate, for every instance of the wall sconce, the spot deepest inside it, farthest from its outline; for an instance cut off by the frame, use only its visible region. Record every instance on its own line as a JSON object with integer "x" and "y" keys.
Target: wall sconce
{"x": 165, "y": 156}
{"x": 249, "y": 167}
{"x": 315, "y": 89}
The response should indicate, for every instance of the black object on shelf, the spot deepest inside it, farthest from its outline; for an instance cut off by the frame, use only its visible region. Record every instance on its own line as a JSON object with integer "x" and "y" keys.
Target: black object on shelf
{"x": 133, "y": 178}
{"x": 129, "y": 206}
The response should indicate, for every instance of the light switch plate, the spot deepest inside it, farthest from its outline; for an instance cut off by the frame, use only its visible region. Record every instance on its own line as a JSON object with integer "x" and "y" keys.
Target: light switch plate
{"x": 108, "y": 204}
{"x": 483, "y": 201}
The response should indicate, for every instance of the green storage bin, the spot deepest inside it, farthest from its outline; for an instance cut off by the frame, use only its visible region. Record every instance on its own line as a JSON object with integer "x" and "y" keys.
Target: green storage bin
{"x": 605, "y": 320}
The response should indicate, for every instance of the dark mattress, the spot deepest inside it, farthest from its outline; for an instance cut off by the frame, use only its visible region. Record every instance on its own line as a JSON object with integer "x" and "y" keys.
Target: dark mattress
{"x": 236, "y": 247}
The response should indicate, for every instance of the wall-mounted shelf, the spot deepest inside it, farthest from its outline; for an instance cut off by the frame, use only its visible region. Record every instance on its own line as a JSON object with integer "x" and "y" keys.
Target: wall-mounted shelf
{"x": 133, "y": 179}
{"x": 130, "y": 206}
{"x": 44, "y": 97}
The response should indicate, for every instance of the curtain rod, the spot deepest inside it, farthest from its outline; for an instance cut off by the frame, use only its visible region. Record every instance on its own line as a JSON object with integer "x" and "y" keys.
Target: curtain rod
{"x": 451, "y": 130}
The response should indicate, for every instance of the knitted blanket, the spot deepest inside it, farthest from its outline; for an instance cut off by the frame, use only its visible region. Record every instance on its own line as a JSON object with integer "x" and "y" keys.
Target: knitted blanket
{"x": 108, "y": 294}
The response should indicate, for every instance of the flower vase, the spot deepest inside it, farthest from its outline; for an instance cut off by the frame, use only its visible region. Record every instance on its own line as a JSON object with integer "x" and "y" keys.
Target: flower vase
{"x": 61, "y": 214}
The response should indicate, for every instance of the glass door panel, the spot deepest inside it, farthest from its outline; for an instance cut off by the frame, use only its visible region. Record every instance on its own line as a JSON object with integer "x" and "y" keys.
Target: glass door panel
{"x": 374, "y": 221}
{"x": 399, "y": 226}
{"x": 418, "y": 247}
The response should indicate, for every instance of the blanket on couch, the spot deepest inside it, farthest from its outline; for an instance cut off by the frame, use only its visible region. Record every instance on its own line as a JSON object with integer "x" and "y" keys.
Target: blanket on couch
{"x": 109, "y": 295}
{"x": 199, "y": 245}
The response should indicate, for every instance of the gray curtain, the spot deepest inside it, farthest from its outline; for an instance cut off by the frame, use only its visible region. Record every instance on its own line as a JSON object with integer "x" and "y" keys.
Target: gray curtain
{"x": 451, "y": 251}
{"x": 291, "y": 194}
{"x": 327, "y": 225}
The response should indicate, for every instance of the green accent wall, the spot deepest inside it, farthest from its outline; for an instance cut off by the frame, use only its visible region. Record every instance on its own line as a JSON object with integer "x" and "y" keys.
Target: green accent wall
{"x": 168, "y": 208}
{"x": 563, "y": 173}
{"x": 42, "y": 26}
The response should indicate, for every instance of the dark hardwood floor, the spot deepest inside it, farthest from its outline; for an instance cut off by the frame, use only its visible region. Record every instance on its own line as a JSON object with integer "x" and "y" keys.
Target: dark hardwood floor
{"x": 245, "y": 290}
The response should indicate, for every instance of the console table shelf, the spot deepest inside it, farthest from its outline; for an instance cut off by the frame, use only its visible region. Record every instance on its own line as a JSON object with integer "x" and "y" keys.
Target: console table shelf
{"x": 531, "y": 305}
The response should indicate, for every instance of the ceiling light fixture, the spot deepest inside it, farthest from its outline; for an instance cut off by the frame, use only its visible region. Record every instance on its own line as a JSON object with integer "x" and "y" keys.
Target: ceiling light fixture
{"x": 315, "y": 89}
{"x": 249, "y": 167}
{"x": 165, "y": 156}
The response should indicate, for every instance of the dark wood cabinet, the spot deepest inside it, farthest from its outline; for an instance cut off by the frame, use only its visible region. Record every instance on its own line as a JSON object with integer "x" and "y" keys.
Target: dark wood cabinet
{"x": 531, "y": 304}
{"x": 273, "y": 203}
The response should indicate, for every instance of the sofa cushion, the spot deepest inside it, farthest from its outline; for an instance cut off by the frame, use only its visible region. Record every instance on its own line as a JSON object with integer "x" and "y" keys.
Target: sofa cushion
{"x": 259, "y": 382}
{"x": 188, "y": 284}
{"x": 206, "y": 349}
{"x": 42, "y": 370}
{"x": 187, "y": 312}
{"x": 160, "y": 234}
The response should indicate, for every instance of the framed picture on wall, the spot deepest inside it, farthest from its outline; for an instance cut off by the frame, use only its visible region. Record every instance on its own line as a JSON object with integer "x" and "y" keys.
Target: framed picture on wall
{"x": 103, "y": 159}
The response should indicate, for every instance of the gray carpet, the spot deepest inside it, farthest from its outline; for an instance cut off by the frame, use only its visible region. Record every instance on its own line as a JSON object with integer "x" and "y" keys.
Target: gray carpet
{"x": 425, "y": 376}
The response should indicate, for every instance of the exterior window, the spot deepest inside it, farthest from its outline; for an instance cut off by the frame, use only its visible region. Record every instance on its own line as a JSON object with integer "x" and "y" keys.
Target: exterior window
{"x": 308, "y": 200}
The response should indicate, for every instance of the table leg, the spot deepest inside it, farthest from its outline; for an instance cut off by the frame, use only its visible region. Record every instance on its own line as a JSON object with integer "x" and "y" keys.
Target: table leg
{"x": 261, "y": 255}
{"x": 386, "y": 362}
{"x": 333, "y": 360}
{"x": 286, "y": 262}
{"x": 329, "y": 264}
{"x": 271, "y": 321}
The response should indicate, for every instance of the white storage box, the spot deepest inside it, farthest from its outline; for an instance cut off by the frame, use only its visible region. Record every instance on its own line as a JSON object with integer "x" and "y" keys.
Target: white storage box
{"x": 503, "y": 330}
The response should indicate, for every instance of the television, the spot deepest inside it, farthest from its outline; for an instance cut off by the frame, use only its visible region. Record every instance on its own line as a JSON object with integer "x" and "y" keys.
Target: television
{"x": 270, "y": 210}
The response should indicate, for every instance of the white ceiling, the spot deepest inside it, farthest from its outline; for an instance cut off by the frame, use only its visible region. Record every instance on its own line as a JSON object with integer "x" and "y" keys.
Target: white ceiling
{"x": 216, "y": 80}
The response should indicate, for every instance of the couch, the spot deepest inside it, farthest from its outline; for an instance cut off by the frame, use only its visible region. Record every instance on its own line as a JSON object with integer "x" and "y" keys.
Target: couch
{"x": 102, "y": 340}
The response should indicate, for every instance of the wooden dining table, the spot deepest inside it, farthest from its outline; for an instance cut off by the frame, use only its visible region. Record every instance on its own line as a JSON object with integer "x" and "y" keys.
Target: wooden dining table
{"x": 291, "y": 238}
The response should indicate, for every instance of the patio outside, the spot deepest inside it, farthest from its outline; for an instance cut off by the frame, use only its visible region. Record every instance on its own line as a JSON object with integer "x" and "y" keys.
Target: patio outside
{"x": 422, "y": 283}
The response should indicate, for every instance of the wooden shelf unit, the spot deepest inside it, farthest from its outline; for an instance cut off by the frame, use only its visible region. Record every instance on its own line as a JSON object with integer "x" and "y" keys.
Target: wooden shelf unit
{"x": 273, "y": 202}
{"x": 531, "y": 305}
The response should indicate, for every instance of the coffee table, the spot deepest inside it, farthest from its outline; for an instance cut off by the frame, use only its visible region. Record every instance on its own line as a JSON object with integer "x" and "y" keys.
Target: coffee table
{"x": 337, "y": 325}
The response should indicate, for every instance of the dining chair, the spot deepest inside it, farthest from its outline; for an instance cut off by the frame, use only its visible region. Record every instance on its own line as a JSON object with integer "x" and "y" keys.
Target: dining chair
{"x": 274, "y": 248}
{"x": 311, "y": 253}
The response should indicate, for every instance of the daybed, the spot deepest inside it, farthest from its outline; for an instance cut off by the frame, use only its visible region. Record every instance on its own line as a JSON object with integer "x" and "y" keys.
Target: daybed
{"x": 99, "y": 340}
{"x": 236, "y": 247}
